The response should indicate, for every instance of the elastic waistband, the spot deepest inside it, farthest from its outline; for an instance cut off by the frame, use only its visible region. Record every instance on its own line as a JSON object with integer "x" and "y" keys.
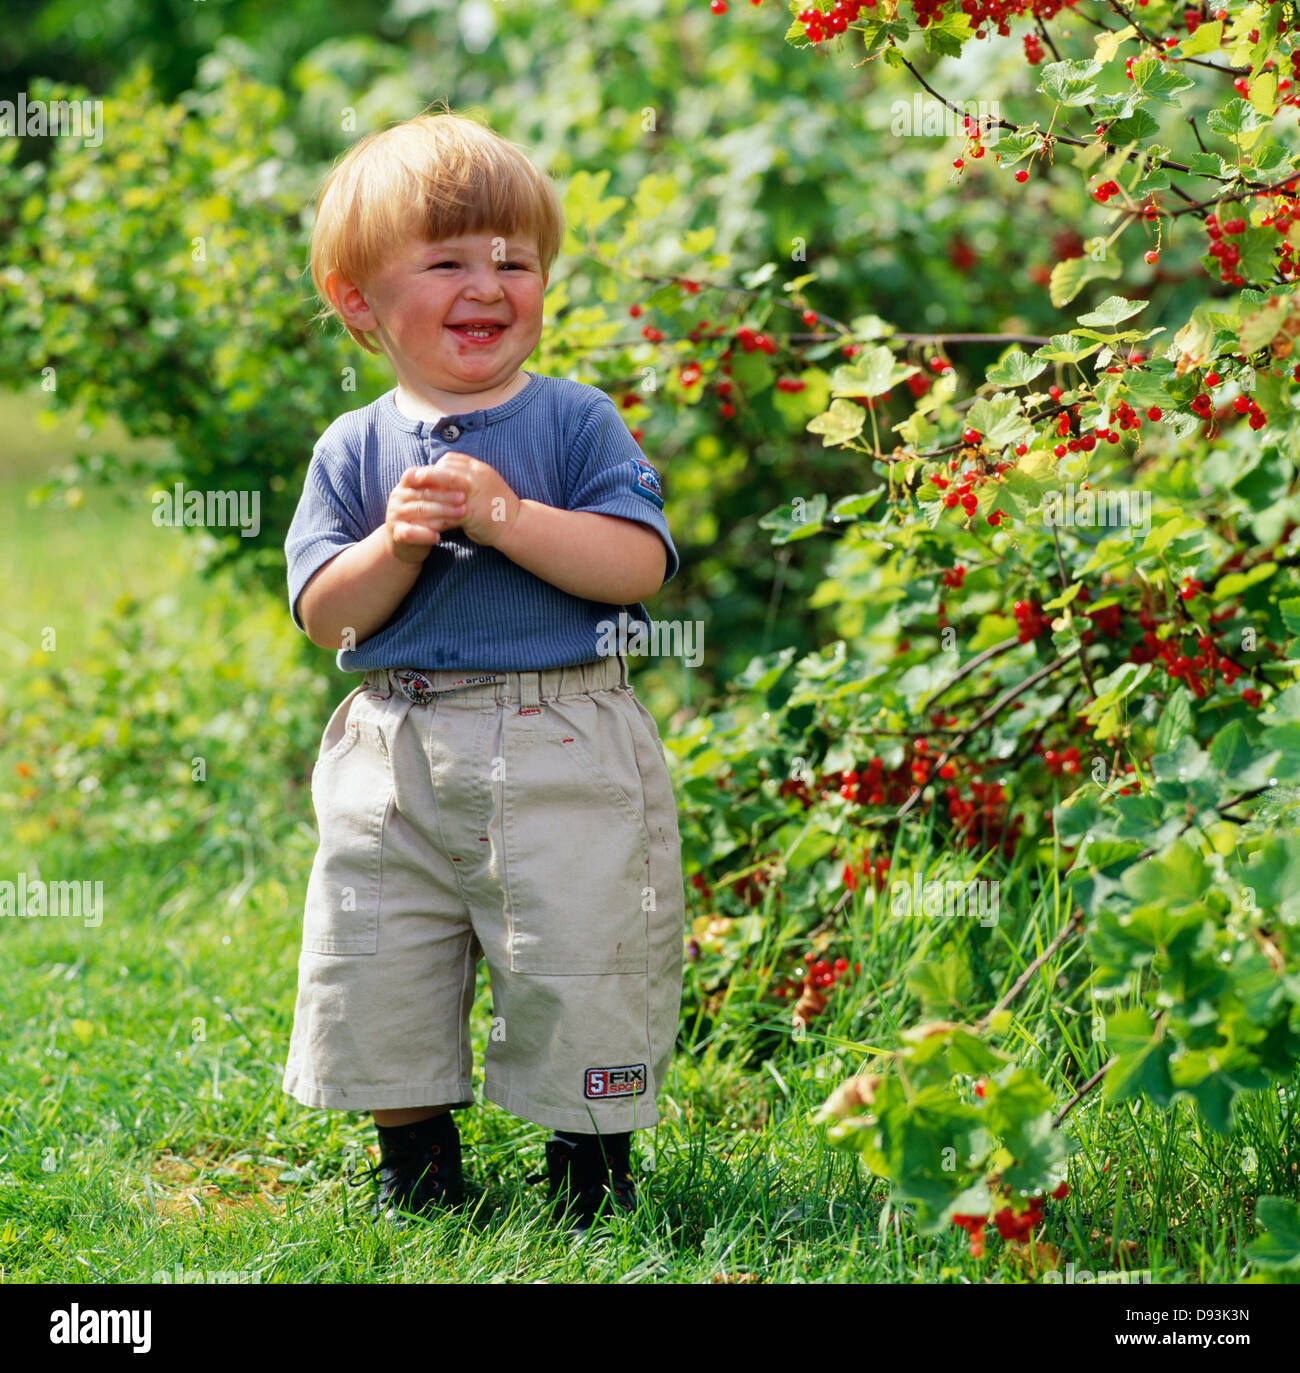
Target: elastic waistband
{"x": 524, "y": 689}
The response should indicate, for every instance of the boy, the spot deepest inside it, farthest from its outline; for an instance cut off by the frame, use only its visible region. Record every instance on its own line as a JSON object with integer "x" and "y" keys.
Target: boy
{"x": 492, "y": 787}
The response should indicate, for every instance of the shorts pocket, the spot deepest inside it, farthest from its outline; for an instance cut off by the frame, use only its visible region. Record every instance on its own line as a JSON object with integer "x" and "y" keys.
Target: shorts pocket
{"x": 352, "y": 791}
{"x": 576, "y": 848}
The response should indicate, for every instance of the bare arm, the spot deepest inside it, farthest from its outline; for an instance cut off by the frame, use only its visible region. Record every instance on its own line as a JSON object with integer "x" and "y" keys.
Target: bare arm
{"x": 359, "y": 589}
{"x": 598, "y": 557}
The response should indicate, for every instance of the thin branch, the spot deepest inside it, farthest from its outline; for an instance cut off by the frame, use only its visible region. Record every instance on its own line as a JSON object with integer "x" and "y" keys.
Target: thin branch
{"x": 1083, "y": 1092}
{"x": 1071, "y": 927}
{"x": 1065, "y": 582}
{"x": 966, "y": 669}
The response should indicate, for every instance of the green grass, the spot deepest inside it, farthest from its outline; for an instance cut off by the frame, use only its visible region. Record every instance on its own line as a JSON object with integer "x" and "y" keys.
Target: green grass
{"x": 142, "y": 1125}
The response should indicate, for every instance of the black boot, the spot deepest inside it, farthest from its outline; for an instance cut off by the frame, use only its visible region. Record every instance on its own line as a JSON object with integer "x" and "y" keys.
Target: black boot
{"x": 582, "y": 1171}
{"x": 419, "y": 1168}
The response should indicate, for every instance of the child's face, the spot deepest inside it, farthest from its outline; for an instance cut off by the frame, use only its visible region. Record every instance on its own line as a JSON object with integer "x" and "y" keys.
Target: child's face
{"x": 428, "y": 292}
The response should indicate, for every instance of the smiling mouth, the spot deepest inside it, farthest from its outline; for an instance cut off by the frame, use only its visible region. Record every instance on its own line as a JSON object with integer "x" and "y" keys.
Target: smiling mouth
{"x": 475, "y": 331}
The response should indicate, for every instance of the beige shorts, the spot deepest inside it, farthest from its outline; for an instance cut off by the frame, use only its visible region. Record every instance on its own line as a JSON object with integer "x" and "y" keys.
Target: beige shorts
{"x": 527, "y": 818}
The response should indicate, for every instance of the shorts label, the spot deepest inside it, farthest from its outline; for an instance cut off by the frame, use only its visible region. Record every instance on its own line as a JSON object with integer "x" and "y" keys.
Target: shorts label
{"x": 606, "y": 1082}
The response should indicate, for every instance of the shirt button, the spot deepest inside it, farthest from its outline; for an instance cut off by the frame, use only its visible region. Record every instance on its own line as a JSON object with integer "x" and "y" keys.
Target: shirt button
{"x": 451, "y": 432}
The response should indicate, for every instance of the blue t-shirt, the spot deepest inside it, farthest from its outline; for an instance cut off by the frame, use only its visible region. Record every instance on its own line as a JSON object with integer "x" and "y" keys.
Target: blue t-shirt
{"x": 559, "y": 442}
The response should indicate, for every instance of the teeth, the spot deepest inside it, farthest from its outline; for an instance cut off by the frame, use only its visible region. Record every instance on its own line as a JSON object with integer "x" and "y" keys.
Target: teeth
{"x": 477, "y": 333}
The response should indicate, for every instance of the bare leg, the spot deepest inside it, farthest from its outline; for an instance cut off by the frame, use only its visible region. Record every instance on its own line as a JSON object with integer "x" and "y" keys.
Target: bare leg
{"x": 408, "y": 1115}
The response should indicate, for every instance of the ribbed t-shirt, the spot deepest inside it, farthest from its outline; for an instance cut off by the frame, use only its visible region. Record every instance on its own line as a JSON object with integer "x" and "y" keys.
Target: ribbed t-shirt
{"x": 557, "y": 441}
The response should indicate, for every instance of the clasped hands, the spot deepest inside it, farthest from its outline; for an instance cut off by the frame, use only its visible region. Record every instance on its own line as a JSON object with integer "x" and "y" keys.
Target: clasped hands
{"x": 456, "y": 492}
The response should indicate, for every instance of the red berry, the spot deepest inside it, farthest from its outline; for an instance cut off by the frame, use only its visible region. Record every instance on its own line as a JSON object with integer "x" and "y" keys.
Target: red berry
{"x": 969, "y": 435}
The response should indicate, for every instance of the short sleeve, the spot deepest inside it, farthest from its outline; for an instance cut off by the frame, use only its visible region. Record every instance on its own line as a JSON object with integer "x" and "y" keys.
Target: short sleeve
{"x": 327, "y": 520}
{"x": 608, "y": 474}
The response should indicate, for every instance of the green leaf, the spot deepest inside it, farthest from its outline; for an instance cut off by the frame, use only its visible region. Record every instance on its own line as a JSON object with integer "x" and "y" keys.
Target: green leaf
{"x": 1290, "y": 611}
{"x": 1175, "y": 720}
{"x": 1072, "y": 274}
{"x": 872, "y": 373}
{"x": 1142, "y": 1064}
{"x": 1157, "y": 81}
{"x": 763, "y": 673}
{"x": 840, "y": 424}
{"x": 999, "y": 420}
{"x": 1066, "y": 348}
{"x": 942, "y": 988}
{"x": 1176, "y": 878}
{"x": 799, "y": 520}
{"x": 1113, "y": 310}
{"x": 1070, "y": 83}
{"x": 1017, "y": 368}
{"x": 1235, "y": 118}
{"x": 1207, "y": 38}
{"x": 1237, "y": 582}
{"x": 946, "y": 35}
{"x": 1137, "y": 126}
{"x": 1280, "y": 1247}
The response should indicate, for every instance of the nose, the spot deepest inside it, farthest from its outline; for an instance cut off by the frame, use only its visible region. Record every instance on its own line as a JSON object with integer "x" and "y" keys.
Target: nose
{"x": 483, "y": 283}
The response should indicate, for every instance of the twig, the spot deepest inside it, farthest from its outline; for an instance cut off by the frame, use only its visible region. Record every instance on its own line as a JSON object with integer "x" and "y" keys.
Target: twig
{"x": 1070, "y": 928}
{"x": 1083, "y": 1092}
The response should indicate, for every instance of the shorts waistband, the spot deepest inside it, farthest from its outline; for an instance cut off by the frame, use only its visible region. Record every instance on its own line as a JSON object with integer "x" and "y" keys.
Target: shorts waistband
{"x": 524, "y": 689}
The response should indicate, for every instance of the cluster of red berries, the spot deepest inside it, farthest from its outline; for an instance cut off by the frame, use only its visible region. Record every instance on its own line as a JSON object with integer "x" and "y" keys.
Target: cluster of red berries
{"x": 1244, "y": 405}
{"x": 811, "y": 986}
{"x": 701, "y": 885}
{"x": 983, "y": 13}
{"x": 953, "y": 576}
{"x": 1228, "y": 255}
{"x": 1178, "y": 664}
{"x": 1030, "y": 620}
{"x": 983, "y": 819}
{"x": 1059, "y": 760}
{"x": 1010, "y": 1224}
{"x": 1101, "y": 194}
{"x": 751, "y": 342}
{"x": 820, "y": 25}
{"x": 874, "y": 872}
{"x": 1033, "y": 49}
{"x": 963, "y": 492}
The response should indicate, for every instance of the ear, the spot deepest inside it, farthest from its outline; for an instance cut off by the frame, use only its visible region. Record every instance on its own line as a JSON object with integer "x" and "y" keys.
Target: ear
{"x": 347, "y": 299}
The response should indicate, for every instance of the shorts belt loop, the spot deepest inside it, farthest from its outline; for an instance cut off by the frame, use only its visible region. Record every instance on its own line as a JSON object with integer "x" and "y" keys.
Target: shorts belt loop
{"x": 377, "y": 680}
{"x": 622, "y": 673}
{"x": 530, "y": 693}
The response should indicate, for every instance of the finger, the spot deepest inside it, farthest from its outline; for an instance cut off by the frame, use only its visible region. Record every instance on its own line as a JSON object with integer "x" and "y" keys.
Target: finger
{"x": 414, "y": 533}
{"x": 429, "y": 504}
{"x": 428, "y": 475}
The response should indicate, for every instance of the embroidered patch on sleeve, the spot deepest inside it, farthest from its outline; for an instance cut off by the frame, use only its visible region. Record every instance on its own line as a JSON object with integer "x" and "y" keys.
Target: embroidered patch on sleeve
{"x": 645, "y": 482}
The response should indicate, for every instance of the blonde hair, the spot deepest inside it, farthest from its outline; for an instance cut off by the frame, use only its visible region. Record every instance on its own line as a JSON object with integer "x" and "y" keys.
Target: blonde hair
{"x": 434, "y": 177}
